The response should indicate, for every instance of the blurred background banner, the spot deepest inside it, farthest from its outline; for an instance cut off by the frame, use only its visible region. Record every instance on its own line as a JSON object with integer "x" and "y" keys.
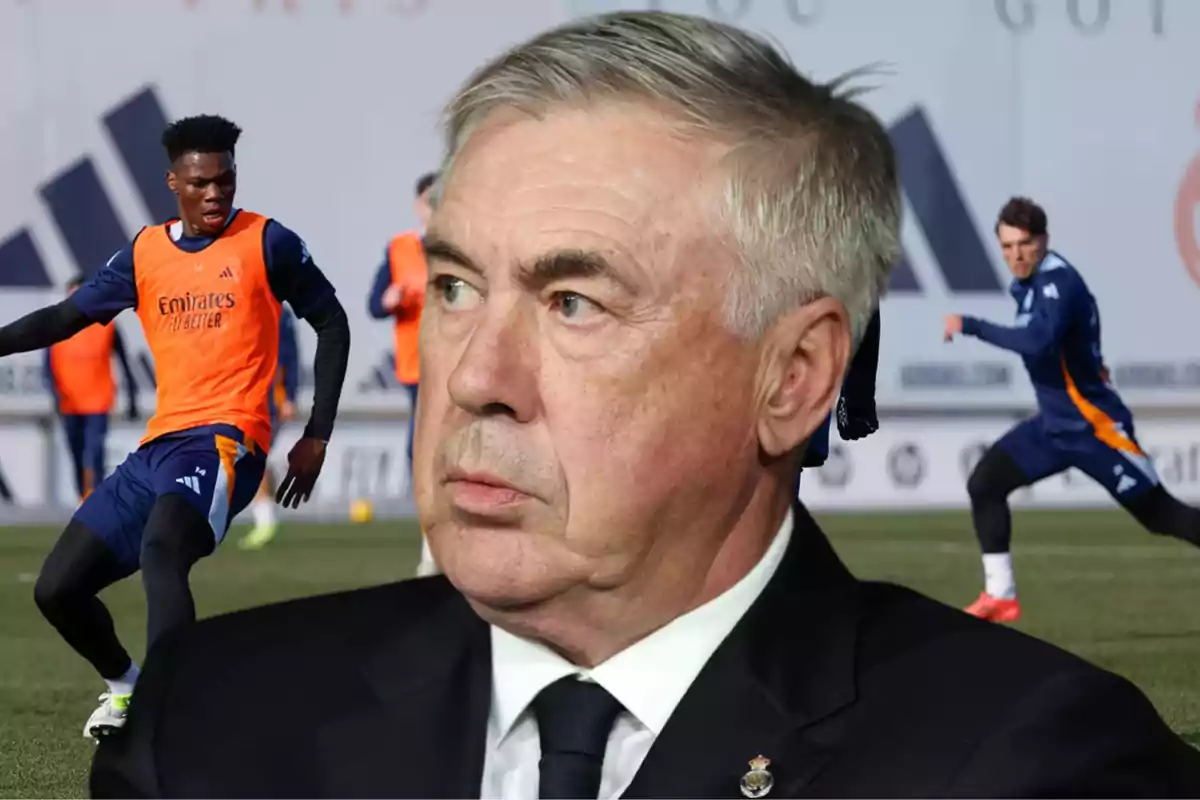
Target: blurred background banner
{"x": 1089, "y": 106}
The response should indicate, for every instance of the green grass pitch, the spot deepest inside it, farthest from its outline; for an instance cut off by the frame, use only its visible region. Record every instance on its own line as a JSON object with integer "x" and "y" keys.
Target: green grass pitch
{"x": 1091, "y": 582}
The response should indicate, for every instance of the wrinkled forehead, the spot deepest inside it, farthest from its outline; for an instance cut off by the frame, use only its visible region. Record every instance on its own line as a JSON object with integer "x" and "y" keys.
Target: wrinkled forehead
{"x": 612, "y": 178}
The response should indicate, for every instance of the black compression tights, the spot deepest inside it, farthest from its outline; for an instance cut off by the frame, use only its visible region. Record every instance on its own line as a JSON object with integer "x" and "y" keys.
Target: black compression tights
{"x": 80, "y": 566}
{"x": 996, "y": 476}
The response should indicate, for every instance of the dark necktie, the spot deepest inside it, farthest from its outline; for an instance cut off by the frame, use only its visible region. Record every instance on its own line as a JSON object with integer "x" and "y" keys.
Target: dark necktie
{"x": 574, "y": 720}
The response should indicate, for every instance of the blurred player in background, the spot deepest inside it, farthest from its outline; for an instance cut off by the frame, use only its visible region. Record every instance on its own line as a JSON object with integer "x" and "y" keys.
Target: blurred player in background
{"x": 399, "y": 294}
{"x": 282, "y": 408}
{"x": 1080, "y": 422}
{"x": 79, "y": 376}
{"x": 856, "y": 415}
{"x": 207, "y": 288}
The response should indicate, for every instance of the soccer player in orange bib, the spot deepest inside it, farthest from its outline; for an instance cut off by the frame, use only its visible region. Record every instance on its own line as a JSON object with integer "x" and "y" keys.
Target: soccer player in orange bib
{"x": 207, "y": 288}
{"x": 398, "y": 294}
{"x": 79, "y": 375}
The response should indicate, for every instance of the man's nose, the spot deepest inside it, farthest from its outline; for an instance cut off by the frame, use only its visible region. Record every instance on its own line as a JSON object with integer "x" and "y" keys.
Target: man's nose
{"x": 497, "y": 372}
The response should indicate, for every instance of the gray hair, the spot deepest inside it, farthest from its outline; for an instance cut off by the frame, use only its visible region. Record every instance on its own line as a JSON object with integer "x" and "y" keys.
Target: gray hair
{"x": 811, "y": 198}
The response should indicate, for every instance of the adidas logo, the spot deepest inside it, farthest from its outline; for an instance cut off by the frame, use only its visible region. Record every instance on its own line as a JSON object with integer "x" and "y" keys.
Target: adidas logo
{"x": 1126, "y": 482}
{"x": 937, "y": 202}
{"x": 190, "y": 481}
{"x": 227, "y": 274}
{"x": 82, "y": 210}
{"x": 80, "y": 206}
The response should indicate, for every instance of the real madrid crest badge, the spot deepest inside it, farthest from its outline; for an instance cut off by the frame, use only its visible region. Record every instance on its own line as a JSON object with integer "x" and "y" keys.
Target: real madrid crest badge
{"x": 758, "y": 782}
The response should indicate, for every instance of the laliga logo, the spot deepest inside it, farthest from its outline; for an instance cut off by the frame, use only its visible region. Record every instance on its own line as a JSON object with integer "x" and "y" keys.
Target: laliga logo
{"x": 1187, "y": 215}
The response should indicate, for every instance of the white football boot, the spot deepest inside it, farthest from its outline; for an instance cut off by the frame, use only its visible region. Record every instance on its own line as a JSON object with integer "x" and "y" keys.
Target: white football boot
{"x": 108, "y": 717}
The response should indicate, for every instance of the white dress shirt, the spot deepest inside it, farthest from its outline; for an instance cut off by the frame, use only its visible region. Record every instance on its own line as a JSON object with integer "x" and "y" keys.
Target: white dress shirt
{"x": 649, "y": 678}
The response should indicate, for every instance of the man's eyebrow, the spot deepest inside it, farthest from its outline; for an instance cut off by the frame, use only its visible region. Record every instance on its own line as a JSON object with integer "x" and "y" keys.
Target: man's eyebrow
{"x": 565, "y": 264}
{"x": 554, "y": 266}
{"x": 444, "y": 250}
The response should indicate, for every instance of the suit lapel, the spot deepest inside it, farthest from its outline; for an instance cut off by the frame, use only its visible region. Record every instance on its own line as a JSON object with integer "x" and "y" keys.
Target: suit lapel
{"x": 422, "y": 730}
{"x": 773, "y": 688}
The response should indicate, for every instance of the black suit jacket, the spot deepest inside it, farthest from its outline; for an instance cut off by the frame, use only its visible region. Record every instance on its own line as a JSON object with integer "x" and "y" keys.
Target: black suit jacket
{"x": 850, "y": 688}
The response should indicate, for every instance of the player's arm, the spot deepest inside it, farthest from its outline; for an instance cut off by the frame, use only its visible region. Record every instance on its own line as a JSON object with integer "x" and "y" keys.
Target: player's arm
{"x": 1045, "y": 328}
{"x": 42, "y": 328}
{"x": 383, "y": 279}
{"x": 122, "y": 355}
{"x": 296, "y": 280}
{"x": 329, "y": 365}
{"x": 856, "y": 414}
{"x": 99, "y": 300}
{"x": 289, "y": 357}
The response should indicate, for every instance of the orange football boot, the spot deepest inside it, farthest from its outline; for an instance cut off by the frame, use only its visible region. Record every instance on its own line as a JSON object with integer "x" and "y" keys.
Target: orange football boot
{"x": 995, "y": 609}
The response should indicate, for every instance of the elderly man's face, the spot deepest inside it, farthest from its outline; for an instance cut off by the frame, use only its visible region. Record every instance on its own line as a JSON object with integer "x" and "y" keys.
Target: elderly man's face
{"x": 586, "y": 420}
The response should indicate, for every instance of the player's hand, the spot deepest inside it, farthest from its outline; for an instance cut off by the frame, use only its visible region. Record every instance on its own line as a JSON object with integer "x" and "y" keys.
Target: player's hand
{"x": 287, "y": 411}
{"x": 857, "y": 420}
{"x": 304, "y": 465}
{"x": 392, "y": 296}
{"x": 953, "y": 326}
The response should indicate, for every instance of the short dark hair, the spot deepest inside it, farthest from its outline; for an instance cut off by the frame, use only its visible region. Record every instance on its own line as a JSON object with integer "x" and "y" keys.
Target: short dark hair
{"x": 205, "y": 133}
{"x": 76, "y": 282}
{"x": 1023, "y": 213}
{"x": 425, "y": 181}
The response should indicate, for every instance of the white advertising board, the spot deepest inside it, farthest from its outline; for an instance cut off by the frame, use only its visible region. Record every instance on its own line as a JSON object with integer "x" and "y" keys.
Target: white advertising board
{"x": 911, "y": 464}
{"x": 908, "y": 465}
{"x": 1087, "y": 105}
{"x": 24, "y": 467}
{"x": 363, "y": 461}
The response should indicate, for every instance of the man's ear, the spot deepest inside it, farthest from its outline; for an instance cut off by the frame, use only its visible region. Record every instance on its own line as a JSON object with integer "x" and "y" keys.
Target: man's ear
{"x": 172, "y": 182}
{"x": 806, "y": 357}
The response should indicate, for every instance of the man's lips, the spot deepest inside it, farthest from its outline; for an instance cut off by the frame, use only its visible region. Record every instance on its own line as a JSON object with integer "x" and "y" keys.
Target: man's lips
{"x": 482, "y": 492}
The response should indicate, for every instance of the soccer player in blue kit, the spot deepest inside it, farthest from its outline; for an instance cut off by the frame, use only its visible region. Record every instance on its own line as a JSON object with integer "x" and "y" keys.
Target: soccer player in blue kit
{"x": 1080, "y": 421}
